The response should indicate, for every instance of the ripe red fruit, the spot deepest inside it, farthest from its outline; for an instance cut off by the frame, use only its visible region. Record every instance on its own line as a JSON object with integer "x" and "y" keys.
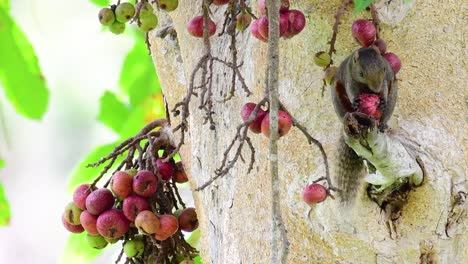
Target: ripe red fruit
{"x": 121, "y": 184}
{"x": 246, "y": 110}
{"x": 133, "y": 205}
{"x": 283, "y": 8}
{"x": 169, "y": 226}
{"x": 165, "y": 169}
{"x": 145, "y": 183}
{"x": 99, "y": 201}
{"x": 179, "y": 175}
{"x": 297, "y": 22}
{"x": 394, "y": 61}
{"x": 72, "y": 228}
{"x": 188, "y": 220}
{"x": 314, "y": 193}
{"x": 255, "y": 32}
{"x": 364, "y": 32}
{"x": 147, "y": 222}
{"x": 381, "y": 45}
{"x": 88, "y": 221}
{"x": 112, "y": 224}
{"x": 80, "y": 194}
{"x": 195, "y": 27}
{"x": 284, "y": 124}
{"x": 263, "y": 26}
{"x": 220, "y": 2}
{"x": 368, "y": 104}
{"x": 243, "y": 21}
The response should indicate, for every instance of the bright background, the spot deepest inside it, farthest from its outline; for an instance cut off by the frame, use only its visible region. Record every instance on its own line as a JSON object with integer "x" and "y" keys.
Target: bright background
{"x": 80, "y": 61}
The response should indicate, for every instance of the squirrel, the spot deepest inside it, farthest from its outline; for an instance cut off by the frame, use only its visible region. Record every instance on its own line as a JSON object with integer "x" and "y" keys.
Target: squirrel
{"x": 365, "y": 71}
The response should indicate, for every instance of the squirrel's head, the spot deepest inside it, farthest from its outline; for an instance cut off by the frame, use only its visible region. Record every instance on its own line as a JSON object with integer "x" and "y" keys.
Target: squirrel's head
{"x": 369, "y": 68}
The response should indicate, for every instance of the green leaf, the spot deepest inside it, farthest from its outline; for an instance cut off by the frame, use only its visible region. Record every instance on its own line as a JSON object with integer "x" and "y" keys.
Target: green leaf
{"x": 20, "y": 74}
{"x": 134, "y": 123}
{"x": 2, "y": 164}
{"x": 138, "y": 77}
{"x": 362, "y": 4}
{"x": 5, "y": 4}
{"x": 82, "y": 174}
{"x": 78, "y": 251}
{"x": 5, "y": 212}
{"x": 197, "y": 260}
{"x": 194, "y": 238}
{"x": 113, "y": 112}
{"x": 100, "y": 2}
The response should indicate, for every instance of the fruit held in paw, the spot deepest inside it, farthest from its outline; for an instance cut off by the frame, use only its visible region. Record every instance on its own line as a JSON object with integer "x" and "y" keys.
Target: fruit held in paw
{"x": 112, "y": 224}
{"x": 72, "y": 214}
{"x": 195, "y": 27}
{"x": 381, "y": 45}
{"x": 188, "y": 220}
{"x": 314, "y": 193}
{"x": 364, "y": 32}
{"x": 96, "y": 241}
{"x": 322, "y": 59}
{"x": 145, "y": 183}
{"x": 147, "y": 222}
{"x": 88, "y": 221}
{"x": 168, "y": 5}
{"x": 133, "y": 205}
{"x": 165, "y": 169}
{"x": 179, "y": 174}
{"x": 71, "y": 228}
{"x": 121, "y": 184}
{"x": 368, "y": 104}
{"x": 394, "y": 61}
{"x": 99, "y": 201}
{"x": 284, "y": 124}
{"x": 80, "y": 194}
{"x": 256, "y": 125}
{"x": 106, "y": 16}
{"x": 148, "y": 23}
{"x": 297, "y": 23}
{"x": 117, "y": 28}
{"x": 283, "y": 8}
{"x": 169, "y": 226}
{"x": 134, "y": 248}
{"x": 124, "y": 12}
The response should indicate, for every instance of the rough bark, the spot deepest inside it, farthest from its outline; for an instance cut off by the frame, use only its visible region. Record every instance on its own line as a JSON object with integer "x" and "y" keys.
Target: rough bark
{"x": 235, "y": 211}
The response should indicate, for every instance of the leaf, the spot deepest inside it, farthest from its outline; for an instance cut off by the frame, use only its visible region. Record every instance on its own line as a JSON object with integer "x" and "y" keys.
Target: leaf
{"x": 135, "y": 122}
{"x": 5, "y": 212}
{"x": 2, "y": 164}
{"x": 362, "y": 4}
{"x": 138, "y": 78}
{"x": 113, "y": 112}
{"x": 197, "y": 260}
{"x": 78, "y": 251}
{"x": 20, "y": 74}
{"x": 82, "y": 174}
{"x": 5, "y": 4}
{"x": 100, "y": 2}
{"x": 194, "y": 238}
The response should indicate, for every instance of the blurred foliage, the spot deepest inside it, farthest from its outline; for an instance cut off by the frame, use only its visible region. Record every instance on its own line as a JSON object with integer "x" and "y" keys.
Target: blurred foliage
{"x": 362, "y": 4}
{"x": 77, "y": 250}
{"x": 100, "y": 2}
{"x": 20, "y": 74}
{"x": 5, "y": 4}
{"x": 5, "y": 212}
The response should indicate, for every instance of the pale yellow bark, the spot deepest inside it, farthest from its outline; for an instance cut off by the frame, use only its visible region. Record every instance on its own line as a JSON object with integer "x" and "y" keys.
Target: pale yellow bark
{"x": 235, "y": 211}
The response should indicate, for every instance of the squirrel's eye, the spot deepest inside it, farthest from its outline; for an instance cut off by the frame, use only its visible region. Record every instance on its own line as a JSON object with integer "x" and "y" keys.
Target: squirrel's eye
{"x": 361, "y": 74}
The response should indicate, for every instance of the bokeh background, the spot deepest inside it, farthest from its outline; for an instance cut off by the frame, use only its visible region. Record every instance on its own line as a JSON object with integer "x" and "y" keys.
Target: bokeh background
{"x": 81, "y": 61}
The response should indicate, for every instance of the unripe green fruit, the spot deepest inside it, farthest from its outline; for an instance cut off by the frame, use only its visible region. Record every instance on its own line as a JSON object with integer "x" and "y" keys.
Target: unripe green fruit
{"x": 117, "y": 28}
{"x": 112, "y": 240}
{"x": 329, "y": 75}
{"x": 148, "y": 23}
{"x": 96, "y": 241}
{"x": 322, "y": 59}
{"x": 146, "y": 9}
{"x": 72, "y": 214}
{"x": 134, "y": 248}
{"x": 168, "y": 5}
{"x": 106, "y": 16}
{"x": 132, "y": 172}
{"x": 124, "y": 12}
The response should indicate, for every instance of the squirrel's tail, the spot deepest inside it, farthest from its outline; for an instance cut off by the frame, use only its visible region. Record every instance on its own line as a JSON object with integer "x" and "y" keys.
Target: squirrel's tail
{"x": 349, "y": 172}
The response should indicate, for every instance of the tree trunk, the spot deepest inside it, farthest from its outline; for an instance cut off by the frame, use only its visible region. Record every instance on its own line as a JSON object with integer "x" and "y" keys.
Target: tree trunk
{"x": 235, "y": 211}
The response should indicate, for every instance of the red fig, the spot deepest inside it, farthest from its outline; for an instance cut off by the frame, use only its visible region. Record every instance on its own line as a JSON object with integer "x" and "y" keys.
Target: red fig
{"x": 314, "y": 193}
{"x": 133, "y": 205}
{"x": 72, "y": 228}
{"x": 145, "y": 183}
{"x": 121, "y": 184}
{"x": 88, "y": 221}
{"x": 394, "y": 61}
{"x": 112, "y": 224}
{"x": 195, "y": 27}
{"x": 246, "y": 110}
{"x": 80, "y": 194}
{"x": 364, "y": 32}
{"x": 99, "y": 201}
{"x": 284, "y": 124}
{"x": 165, "y": 169}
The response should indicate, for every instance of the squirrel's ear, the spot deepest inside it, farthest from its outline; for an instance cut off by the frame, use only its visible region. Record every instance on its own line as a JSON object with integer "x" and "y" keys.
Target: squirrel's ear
{"x": 375, "y": 48}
